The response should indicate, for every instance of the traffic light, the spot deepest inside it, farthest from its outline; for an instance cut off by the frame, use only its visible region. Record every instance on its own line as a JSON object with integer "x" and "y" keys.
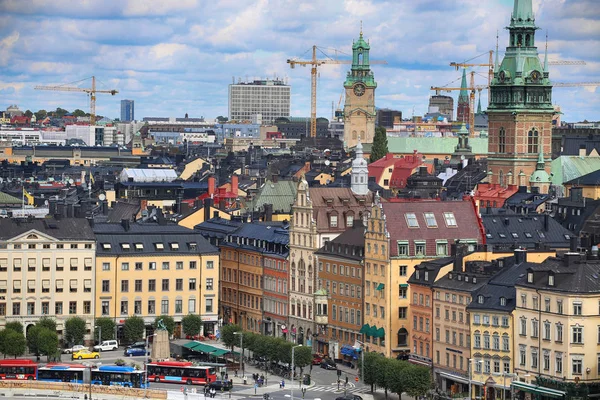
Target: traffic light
{"x": 339, "y": 372}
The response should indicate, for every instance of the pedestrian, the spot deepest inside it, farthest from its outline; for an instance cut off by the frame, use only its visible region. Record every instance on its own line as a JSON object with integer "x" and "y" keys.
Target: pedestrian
{"x": 283, "y": 383}
{"x": 226, "y": 376}
{"x": 236, "y": 373}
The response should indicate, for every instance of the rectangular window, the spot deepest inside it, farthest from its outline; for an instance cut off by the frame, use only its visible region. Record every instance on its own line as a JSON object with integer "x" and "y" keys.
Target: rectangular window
{"x": 165, "y": 265}
{"x": 402, "y": 292}
{"x": 152, "y": 285}
{"x": 534, "y": 358}
{"x": 105, "y": 307}
{"x": 124, "y": 307}
{"x": 164, "y": 307}
{"x": 209, "y": 283}
{"x": 125, "y": 286}
{"x": 138, "y": 285}
{"x": 105, "y": 266}
{"x": 411, "y": 220}
{"x": 402, "y": 312}
{"x": 191, "y": 306}
{"x": 125, "y": 266}
{"x": 442, "y": 248}
{"x": 559, "y": 332}
{"x": 151, "y": 307}
{"x": 165, "y": 285}
{"x": 105, "y": 286}
{"x": 577, "y": 366}
{"x": 45, "y": 308}
{"x": 137, "y": 307}
{"x": 577, "y": 308}
{"x": 87, "y": 307}
{"x": 558, "y": 362}
{"x": 178, "y": 284}
{"x": 333, "y": 221}
{"x": 31, "y": 308}
{"x": 403, "y": 269}
{"x": 210, "y": 265}
{"x": 192, "y": 284}
{"x": 430, "y": 220}
{"x": 450, "y": 219}
{"x": 419, "y": 248}
{"x": 403, "y": 250}
{"x": 139, "y": 266}
{"x": 209, "y": 305}
{"x": 577, "y": 335}
{"x": 152, "y": 266}
{"x": 178, "y": 306}
{"x": 559, "y": 306}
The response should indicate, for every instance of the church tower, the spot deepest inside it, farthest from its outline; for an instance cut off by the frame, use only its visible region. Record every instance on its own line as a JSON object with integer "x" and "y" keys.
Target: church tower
{"x": 359, "y": 108}
{"x": 520, "y": 110}
{"x": 463, "y": 108}
{"x": 360, "y": 172}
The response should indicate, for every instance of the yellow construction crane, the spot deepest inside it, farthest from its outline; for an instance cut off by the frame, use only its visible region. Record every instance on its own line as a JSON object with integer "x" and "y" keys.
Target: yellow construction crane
{"x": 490, "y": 65}
{"x": 315, "y": 63}
{"x": 92, "y": 92}
{"x": 472, "y": 88}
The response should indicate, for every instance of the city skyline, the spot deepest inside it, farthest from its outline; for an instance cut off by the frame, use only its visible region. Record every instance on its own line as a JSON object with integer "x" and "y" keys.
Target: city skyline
{"x": 178, "y": 59}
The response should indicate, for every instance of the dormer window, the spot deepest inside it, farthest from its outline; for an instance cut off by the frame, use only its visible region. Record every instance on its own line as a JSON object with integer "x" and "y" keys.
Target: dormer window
{"x": 159, "y": 246}
{"x": 417, "y": 274}
{"x": 174, "y": 246}
{"x": 450, "y": 275}
{"x": 474, "y": 280}
{"x": 480, "y": 299}
{"x": 551, "y": 280}
{"x": 502, "y": 301}
{"x": 501, "y": 263}
{"x": 459, "y": 277}
{"x": 530, "y": 277}
{"x": 426, "y": 275}
{"x": 106, "y": 246}
{"x": 466, "y": 278}
{"x": 125, "y": 246}
{"x": 139, "y": 246}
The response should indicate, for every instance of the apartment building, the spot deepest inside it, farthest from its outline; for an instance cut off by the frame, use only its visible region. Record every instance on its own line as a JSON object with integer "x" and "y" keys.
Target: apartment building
{"x": 399, "y": 236}
{"x": 264, "y": 100}
{"x": 340, "y": 272}
{"x": 46, "y": 269}
{"x": 152, "y": 268}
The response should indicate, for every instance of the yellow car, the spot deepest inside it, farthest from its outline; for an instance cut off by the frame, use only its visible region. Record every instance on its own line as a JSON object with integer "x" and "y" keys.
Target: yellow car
{"x": 85, "y": 353}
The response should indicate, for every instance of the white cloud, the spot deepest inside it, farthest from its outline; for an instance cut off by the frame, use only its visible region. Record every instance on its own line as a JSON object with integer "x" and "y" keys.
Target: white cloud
{"x": 6, "y": 46}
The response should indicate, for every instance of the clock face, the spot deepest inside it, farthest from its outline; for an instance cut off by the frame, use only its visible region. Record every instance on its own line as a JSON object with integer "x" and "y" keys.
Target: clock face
{"x": 359, "y": 89}
{"x": 535, "y": 76}
{"x": 502, "y": 76}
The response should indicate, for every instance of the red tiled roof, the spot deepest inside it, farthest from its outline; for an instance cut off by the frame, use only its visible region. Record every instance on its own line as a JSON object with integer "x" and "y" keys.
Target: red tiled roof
{"x": 494, "y": 193}
{"x": 468, "y": 223}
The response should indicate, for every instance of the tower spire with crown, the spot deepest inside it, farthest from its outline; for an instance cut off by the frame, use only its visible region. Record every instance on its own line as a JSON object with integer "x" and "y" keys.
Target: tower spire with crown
{"x": 462, "y": 110}
{"x": 546, "y": 56}
{"x": 360, "y": 172}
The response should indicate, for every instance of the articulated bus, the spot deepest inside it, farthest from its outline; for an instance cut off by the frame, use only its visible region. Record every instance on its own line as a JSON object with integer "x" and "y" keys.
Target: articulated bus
{"x": 181, "y": 372}
{"x": 18, "y": 369}
{"x": 108, "y": 375}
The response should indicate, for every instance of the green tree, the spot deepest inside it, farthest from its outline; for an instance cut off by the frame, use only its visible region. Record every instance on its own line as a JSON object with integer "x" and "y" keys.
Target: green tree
{"x": 74, "y": 330}
{"x": 48, "y": 323}
{"x": 47, "y": 342}
{"x": 284, "y": 355}
{"x": 371, "y": 370}
{"x": 394, "y": 375}
{"x": 107, "y": 326}
{"x": 221, "y": 119}
{"x": 380, "y": 144}
{"x": 78, "y": 113}
{"x": 381, "y": 379}
{"x": 417, "y": 380}
{"x": 191, "y": 324}
{"x": 168, "y": 321}
{"x": 302, "y": 357}
{"x": 14, "y": 326}
{"x": 16, "y": 343}
{"x": 227, "y": 335}
{"x": 60, "y": 112}
{"x": 28, "y": 113}
{"x": 4, "y": 344}
{"x": 249, "y": 340}
{"x": 41, "y": 114}
{"x": 33, "y": 339}
{"x": 133, "y": 329}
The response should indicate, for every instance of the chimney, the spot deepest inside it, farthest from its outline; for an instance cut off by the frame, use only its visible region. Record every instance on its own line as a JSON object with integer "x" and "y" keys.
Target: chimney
{"x": 215, "y": 214}
{"x": 91, "y": 222}
{"x": 520, "y": 256}
{"x": 571, "y": 258}
{"x": 77, "y": 211}
{"x": 70, "y": 210}
{"x": 573, "y": 244}
{"x": 105, "y": 207}
{"x": 234, "y": 184}
{"x": 458, "y": 254}
{"x": 208, "y": 202}
{"x": 52, "y": 206}
{"x": 222, "y": 204}
{"x": 211, "y": 186}
{"x": 546, "y": 222}
{"x": 125, "y": 224}
{"x": 423, "y": 171}
{"x": 160, "y": 217}
{"x": 268, "y": 212}
{"x": 506, "y": 221}
{"x": 488, "y": 210}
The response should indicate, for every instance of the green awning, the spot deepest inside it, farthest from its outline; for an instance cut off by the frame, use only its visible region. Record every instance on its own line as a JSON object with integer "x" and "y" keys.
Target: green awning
{"x": 191, "y": 345}
{"x": 538, "y": 389}
{"x": 380, "y": 333}
{"x": 219, "y": 352}
{"x": 373, "y": 331}
{"x": 380, "y": 286}
{"x": 404, "y": 285}
{"x": 365, "y": 329}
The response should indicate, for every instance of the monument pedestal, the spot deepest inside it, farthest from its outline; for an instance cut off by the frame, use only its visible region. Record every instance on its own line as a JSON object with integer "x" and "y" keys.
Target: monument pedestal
{"x": 160, "y": 346}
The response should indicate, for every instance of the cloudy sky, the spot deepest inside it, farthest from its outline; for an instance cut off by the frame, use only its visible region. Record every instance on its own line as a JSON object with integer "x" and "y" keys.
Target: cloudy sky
{"x": 178, "y": 56}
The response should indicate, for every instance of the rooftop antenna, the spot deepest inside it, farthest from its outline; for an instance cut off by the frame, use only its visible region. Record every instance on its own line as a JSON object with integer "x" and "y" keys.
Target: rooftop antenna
{"x": 496, "y": 62}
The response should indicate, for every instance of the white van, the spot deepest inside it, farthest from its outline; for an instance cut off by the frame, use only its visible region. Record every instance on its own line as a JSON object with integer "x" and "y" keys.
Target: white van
{"x": 107, "y": 345}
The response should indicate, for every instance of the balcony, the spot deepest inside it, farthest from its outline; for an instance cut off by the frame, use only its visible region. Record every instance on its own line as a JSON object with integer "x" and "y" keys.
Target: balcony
{"x": 321, "y": 319}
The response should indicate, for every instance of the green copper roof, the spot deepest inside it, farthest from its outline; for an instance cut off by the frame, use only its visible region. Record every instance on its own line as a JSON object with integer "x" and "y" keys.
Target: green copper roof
{"x": 434, "y": 145}
{"x": 361, "y": 68}
{"x": 6, "y": 198}
{"x": 360, "y": 43}
{"x": 540, "y": 175}
{"x": 281, "y": 194}
{"x": 567, "y": 168}
{"x": 464, "y": 94}
{"x": 522, "y": 15}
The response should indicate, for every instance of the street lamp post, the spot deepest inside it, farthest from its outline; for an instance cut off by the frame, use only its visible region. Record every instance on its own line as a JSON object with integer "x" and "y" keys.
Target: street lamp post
{"x": 241, "y": 351}
{"x": 146, "y": 363}
{"x": 292, "y": 372}
{"x": 362, "y": 361}
{"x": 470, "y": 370}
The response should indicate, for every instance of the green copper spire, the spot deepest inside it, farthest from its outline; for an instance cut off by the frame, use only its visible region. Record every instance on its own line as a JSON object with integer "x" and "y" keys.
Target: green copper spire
{"x": 479, "y": 105}
{"x": 546, "y": 56}
{"x": 522, "y": 12}
{"x": 463, "y": 97}
{"x": 540, "y": 175}
{"x": 361, "y": 69}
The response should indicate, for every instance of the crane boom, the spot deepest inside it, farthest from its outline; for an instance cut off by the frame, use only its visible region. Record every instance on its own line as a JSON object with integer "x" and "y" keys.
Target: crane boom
{"x": 91, "y": 91}
{"x": 315, "y": 63}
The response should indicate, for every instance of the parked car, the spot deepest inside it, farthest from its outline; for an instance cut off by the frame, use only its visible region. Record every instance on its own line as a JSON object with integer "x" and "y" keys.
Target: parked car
{"x": 74, "y": 349}
{"x": 317, "y": 359}
{"x": 107, "y": 345}
{"x": 328, "y": 364}
{"x": 85, "y": 354}
{"x": 137, "y": 345}
{"x": 349, "y": 397}
{"x": 220, "y": 385}
{"x": 136, "y": 352}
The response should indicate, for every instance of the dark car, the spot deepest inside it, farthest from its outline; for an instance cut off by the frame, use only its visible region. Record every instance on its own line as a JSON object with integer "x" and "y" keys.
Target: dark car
{"x": 328, "y": 364}
{"x": 136, "y": 352}
{"x": 140, "y": 345}
{"x": 220, "y": 385}
{"x": 349, "y": 397}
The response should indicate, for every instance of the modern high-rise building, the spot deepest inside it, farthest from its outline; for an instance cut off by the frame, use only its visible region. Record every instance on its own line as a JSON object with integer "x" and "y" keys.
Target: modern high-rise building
{"x": 127, "y": 110}
{"x": 267, "y": 98}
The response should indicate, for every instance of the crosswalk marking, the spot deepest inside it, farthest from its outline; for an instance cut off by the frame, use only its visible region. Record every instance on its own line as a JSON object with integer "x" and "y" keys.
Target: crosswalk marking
{"x": 335, "y": 389}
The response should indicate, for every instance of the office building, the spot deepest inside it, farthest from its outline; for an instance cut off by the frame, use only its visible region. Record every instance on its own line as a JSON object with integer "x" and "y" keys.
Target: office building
{"x": 127, "y": 110}
{"x": 268, "y": 98}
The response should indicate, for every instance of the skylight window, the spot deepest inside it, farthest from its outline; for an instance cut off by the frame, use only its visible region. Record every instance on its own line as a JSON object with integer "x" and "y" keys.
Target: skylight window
{"x": 159, "y": 246}
{"x": 567, "y": 237}
{"x": 125, "y": 246}
{"x": 502, "y": 235}
{"x": 106, "y": 246}
{"x": 488, "y": 235}
{"x": 450, "y": 219}
{"x": 528, "y": 235}
{"x": 515, "y": 235}
{"x": 430, "y": 220}
{"x": 139, "y": 246}
{"x": 411, "y": 220}
{"x": 174, "y": 246}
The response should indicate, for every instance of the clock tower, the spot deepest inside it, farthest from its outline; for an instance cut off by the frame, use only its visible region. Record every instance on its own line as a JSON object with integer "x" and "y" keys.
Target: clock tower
{"x": 359, "y": 108}
{"x": 520, "y": 111}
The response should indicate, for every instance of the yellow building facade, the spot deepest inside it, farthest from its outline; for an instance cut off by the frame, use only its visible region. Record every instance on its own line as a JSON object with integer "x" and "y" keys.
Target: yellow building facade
{"x": 152, "y": 270}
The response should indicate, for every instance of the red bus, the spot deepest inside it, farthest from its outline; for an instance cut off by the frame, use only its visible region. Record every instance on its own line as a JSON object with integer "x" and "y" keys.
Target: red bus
{"x": 180, "y": 372}
{"x": 18, "y": 370}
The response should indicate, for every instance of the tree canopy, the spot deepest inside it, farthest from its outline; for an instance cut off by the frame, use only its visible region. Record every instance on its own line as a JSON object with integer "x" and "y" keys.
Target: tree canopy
{"x": 133, "y": 329}
{"x": 168, "y": 321}
{"x": 14, "y": 326}
{"x": 380, "y": 144}
{"x": 228, "y": 337}
{"x": 75, "y": 330}
{"x": 12, "y": 343}
{"x": 107, "y": 326}
{"x": 191, "y": 324}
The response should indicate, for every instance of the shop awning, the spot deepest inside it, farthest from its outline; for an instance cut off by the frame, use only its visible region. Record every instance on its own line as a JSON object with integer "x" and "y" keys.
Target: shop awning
{"x": 380, "y": 333}
{"x": 219, "y": 352}
{"x": 380, "y": 286}
{"x": 365, "y": 329}
{"x": 526, "y": 387}
{"x": 373, "y": 331}
{"x": 205, "y": 348}
{"x": 404, "y": 285}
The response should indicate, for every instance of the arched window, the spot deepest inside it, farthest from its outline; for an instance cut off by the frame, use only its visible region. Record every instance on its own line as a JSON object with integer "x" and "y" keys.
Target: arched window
{"x": 532, "y": 141}
{"x": 360, "y": 57}
{"x": 502, "y": 141}
{"x": 354, "y": 135}
{"x": 520, "y": 40}
{"x": 528, "y": 40}
{"x": 402, "y": 337}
